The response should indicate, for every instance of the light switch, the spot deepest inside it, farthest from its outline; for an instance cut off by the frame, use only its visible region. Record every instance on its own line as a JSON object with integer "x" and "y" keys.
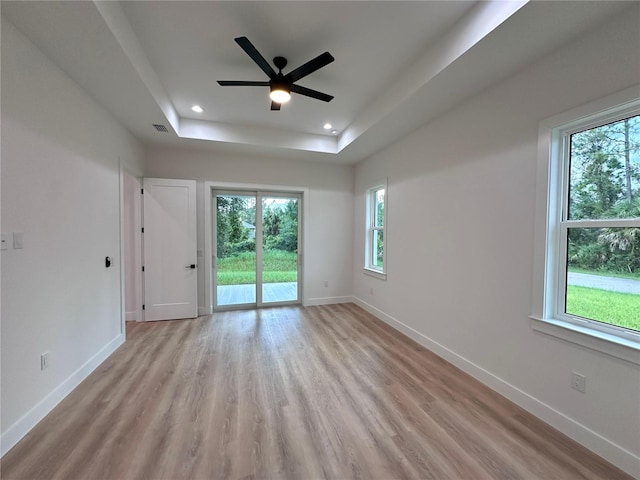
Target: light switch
{"x": 4, "y": 241}
{"x": 18, "y": 240}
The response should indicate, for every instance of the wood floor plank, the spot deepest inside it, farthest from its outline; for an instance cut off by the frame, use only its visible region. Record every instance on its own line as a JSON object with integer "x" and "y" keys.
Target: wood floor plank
{"x": 289, "y": 393}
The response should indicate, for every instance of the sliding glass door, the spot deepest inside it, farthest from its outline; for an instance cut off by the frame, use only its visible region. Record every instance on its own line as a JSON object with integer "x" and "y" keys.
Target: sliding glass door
{"x": 235, "y": 249}
{"x": 257, "y": 238}
{"x": 279, "y": 248}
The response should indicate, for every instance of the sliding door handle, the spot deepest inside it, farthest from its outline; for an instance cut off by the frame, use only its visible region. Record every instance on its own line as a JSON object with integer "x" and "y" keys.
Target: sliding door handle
{"x": 193, "y": 265}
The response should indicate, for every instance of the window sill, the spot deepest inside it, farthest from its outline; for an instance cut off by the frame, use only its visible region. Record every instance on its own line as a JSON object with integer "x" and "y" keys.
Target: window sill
{"x": 621, "y": 348}
{"x": 374, "y": 273}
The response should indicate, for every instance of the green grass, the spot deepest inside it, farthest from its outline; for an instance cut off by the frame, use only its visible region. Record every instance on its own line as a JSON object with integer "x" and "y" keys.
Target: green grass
{"x": 236, "y": 278}
{"x": 240, "y": 269}
{"x": 614, "y": 308}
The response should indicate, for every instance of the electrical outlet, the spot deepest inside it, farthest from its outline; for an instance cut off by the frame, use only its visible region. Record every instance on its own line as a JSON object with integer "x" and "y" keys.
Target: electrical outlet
{"x": 18, "y": 240}
{"x": 326, "y": 283}
{"x": 44, "y": 361}
{"x": 578, "y": 382}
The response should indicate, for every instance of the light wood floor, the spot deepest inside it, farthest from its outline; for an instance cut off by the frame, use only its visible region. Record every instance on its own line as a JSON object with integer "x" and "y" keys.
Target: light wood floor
{"x": 300, "y": 393}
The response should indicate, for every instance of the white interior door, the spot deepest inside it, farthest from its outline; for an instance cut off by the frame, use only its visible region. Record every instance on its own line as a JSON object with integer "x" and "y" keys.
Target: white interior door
{"x": 170, "y": 255}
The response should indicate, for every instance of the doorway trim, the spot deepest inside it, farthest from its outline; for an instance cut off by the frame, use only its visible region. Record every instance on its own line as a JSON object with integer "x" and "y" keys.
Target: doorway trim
{"x": 131, "y": 189}
{"x": 209, "y": 188}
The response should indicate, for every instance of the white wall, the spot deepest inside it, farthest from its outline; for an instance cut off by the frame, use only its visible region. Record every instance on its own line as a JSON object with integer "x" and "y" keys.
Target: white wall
{"x": 461, "y": 193}
{"x": 330, "y": 207}
{"x": 61, "y": 188}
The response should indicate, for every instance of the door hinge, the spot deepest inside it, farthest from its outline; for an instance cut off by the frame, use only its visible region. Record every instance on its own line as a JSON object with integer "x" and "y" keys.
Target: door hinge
{"x": 143, "y": 306}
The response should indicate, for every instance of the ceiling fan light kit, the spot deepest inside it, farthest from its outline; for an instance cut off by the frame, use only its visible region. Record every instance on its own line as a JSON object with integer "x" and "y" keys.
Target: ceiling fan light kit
{"x": 281, "y": 85}
{"x": 279, "y": 95}
{"x": 280, "y": 91}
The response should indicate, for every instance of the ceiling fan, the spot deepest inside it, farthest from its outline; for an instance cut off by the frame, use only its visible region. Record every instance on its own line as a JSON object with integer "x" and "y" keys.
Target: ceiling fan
{"x": 281, "y": 85}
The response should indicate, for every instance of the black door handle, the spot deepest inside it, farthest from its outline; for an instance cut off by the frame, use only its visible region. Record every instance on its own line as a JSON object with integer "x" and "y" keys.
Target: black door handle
{"x": 192, "y": 266}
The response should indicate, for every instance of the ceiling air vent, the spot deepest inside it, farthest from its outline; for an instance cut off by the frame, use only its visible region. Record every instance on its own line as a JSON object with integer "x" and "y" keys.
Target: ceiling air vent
{"x": 160, "y": 128}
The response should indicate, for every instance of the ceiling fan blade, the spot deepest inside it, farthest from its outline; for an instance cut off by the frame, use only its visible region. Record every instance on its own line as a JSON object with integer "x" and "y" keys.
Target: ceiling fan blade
{"x": 309, "y": 67}
{"x": 311, "y": 93}
{"x": 275, "y": 106}
{"x": 250, "y": 50}
{"x": 241, "y": 83}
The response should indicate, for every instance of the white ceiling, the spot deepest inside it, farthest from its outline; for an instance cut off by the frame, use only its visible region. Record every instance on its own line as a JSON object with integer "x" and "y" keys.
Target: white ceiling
{"x": 398, "y": 64}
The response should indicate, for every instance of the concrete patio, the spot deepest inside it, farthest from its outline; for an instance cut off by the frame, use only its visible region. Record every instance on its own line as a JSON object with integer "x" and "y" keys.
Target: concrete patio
{"x": 243, "y": 294}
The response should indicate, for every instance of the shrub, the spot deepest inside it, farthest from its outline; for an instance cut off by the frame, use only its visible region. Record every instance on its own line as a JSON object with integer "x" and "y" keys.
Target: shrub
{"x": 248, "y": 245}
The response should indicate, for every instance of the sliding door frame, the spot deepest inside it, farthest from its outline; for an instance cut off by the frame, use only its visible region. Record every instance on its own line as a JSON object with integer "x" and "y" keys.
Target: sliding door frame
{"x": 210, "y": 210}
{"x": 214, "y": 239}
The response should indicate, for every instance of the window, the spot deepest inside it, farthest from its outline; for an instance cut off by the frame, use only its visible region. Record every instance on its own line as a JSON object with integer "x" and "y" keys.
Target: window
{"x": 591, "y": 277}
{"x": 599, "y": 226}
{"x": 375, "y": 257}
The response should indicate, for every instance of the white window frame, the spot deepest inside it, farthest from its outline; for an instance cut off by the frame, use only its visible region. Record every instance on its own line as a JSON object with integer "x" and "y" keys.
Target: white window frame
{"x": 551, "y": 229}
{"x": 371, "y": 229}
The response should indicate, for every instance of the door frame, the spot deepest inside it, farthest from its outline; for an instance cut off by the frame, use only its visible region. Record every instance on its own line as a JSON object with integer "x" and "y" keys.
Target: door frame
{"x": 209, "y": 226}
{"x": 135, "y": 227}
{"x": 259, "y": 196}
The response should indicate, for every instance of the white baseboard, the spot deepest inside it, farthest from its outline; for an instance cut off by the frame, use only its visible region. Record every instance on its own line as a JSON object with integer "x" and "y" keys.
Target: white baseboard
{"x": 30, "y": 419}
{"x": 327, "y": 300}
{"x": 622, "y": 458}
{"x": 130, "y": 316}
{"x": 204, "y": 311}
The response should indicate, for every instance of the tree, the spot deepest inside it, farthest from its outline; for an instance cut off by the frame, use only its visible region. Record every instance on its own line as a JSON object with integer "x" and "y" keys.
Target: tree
{"x": 627, "y": 160}
{"x": 237, "y": 231}
{"x": 605, "y": 183}
{"x": 605, "y": 168}
{"x": 230, "y": 230}
{"x": 380, "y": 221}
{"x": 270, "y": 221}
{"x": 596, "y": 175}
{"x": 222, "y": 226}
{"x": 280, "y": 226}
{"x": 289, "y": 227}
{"x": 624, "y": 243}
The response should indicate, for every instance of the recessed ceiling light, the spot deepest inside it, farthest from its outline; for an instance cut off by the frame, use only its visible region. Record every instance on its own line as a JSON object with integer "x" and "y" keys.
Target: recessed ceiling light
{"x": 197, "y": 109}
{"x": 327, "y": 126}
{"x": 335, "y": 132}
